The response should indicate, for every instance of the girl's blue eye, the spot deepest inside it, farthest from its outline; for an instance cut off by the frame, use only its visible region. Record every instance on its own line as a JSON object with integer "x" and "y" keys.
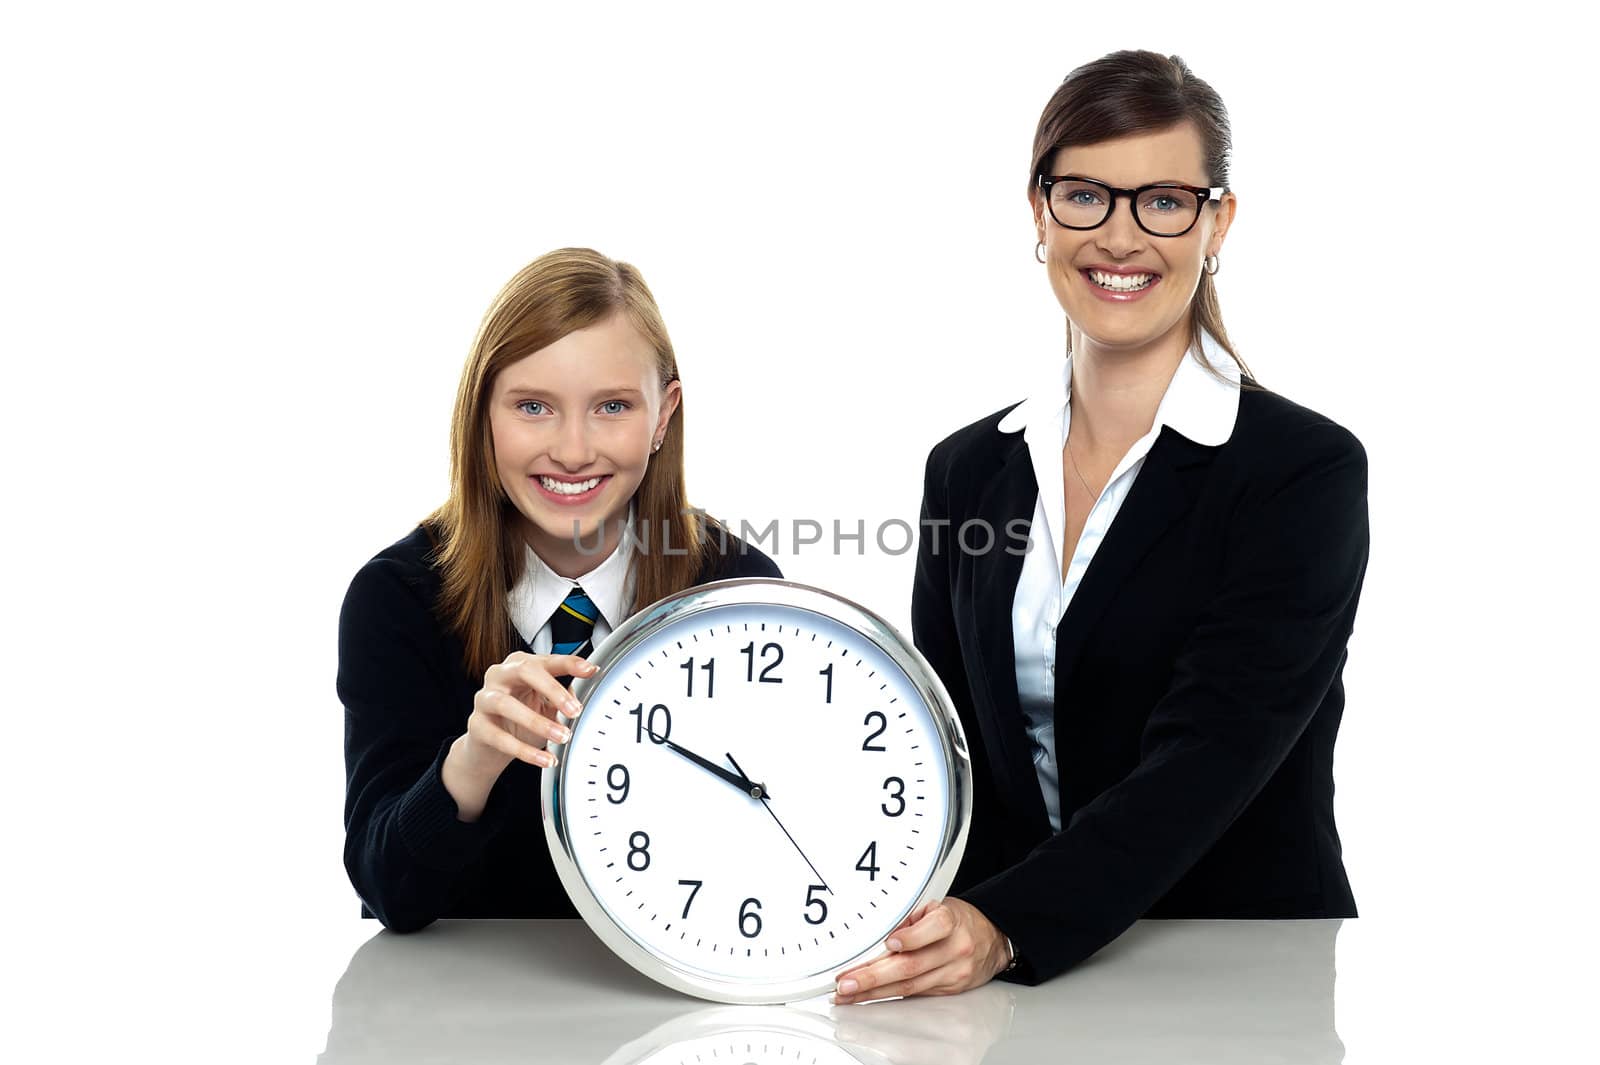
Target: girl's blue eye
{"x": 613, "y": 406}
{"x": 527, "y": 403}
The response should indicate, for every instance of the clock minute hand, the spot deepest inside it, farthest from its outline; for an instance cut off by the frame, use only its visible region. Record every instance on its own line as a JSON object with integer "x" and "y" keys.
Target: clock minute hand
{"x": 742, "y": 782}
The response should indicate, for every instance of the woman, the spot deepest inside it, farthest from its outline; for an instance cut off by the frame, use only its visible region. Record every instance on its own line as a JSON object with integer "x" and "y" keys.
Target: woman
{"x": 566, "y": 513}
{"x": 1151, "y": 693}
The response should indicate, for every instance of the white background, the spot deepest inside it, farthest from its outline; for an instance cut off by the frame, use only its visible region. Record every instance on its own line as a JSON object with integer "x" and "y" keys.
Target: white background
{"x": 245, "y": 249}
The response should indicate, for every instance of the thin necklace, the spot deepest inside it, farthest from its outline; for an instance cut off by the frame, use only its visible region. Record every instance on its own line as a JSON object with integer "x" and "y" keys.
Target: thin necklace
{"x": 1068, "y": 445}
{"x": 1079, "y": 472}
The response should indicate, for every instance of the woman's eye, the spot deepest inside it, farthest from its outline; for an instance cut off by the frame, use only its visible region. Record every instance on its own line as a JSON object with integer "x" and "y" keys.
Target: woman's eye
{"x": 1164, "y": 203}
{"x": 613, "y": 406}
{"x": 531, "y": 406}
{"x": 1083, "y": 197}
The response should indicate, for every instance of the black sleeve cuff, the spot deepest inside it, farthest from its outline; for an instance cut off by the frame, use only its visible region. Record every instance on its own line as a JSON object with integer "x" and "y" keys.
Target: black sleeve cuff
{"x": 431, "y": 828}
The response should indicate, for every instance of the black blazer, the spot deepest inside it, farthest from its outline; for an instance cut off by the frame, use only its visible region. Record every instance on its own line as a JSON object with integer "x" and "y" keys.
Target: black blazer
{"x": 1198, "y": 686}
{"x": 407, "y": 696}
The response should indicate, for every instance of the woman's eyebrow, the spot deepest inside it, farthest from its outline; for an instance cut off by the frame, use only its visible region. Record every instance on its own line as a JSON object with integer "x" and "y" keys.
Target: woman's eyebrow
{"x": 1142, "y": 184}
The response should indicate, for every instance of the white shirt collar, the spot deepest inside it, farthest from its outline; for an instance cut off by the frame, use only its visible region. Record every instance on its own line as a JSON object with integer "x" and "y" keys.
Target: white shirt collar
{"x": 1195, "y": 403}
{"x": 540, "y": 589}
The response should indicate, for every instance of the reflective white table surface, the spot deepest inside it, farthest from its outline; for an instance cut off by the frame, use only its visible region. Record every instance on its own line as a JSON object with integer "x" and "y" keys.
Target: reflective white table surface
{"x": 534, "y": 991}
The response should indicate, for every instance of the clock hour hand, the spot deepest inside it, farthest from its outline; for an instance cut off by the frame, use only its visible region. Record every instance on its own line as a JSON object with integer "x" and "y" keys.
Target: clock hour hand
{"x": 740, "y": 781}
{"x": 786, "y": 832}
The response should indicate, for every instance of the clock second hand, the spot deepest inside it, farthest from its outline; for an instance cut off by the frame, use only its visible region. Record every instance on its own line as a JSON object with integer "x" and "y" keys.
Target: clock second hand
{"x": 786, "y": 832}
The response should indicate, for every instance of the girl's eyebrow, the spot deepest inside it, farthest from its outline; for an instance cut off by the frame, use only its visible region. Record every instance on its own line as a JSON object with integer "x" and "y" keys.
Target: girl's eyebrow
{"x": 520, "y": 391}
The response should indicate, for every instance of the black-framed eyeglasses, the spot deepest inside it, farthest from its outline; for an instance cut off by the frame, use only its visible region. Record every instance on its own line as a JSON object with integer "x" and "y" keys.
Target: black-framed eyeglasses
{"x": 1160, "y": 210}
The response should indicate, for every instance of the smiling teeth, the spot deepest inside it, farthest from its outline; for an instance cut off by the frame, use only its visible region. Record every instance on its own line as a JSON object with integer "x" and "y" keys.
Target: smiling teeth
{"x": 1121, "y": 282}
{"x": 563, "y": 488}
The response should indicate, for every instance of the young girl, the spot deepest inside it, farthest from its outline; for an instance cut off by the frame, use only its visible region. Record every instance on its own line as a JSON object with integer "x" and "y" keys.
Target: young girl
{"x": 567, "y": 512}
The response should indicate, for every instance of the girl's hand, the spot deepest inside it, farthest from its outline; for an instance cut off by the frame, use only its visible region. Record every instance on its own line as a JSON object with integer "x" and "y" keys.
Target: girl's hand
{"x": 514, "y": 713}
{"x": 513, "y": 716}
{"x": 943, "y": 948}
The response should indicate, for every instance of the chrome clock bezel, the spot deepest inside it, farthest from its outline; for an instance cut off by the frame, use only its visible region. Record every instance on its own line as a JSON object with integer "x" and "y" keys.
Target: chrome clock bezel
{"x": 759, "y": 591}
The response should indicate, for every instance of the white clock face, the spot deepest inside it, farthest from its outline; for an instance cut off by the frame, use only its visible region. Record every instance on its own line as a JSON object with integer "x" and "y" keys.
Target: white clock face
{"x": 847, "y": 827}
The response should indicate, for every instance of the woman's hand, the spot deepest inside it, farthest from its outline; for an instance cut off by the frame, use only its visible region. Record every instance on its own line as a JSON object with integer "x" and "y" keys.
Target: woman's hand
{"x": 513, "y": 716}
{"x": 943, "y": 948}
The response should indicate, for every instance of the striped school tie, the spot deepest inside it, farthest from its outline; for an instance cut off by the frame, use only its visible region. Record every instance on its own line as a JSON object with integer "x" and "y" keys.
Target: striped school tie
{"x": 572, "y": 625}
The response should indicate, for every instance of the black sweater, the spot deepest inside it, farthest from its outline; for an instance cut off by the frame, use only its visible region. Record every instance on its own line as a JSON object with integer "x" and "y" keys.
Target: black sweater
{"x": 407, "y": 696}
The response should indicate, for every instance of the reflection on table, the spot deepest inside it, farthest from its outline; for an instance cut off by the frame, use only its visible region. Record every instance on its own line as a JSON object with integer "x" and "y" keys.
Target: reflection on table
{"x": 531, "y": 991}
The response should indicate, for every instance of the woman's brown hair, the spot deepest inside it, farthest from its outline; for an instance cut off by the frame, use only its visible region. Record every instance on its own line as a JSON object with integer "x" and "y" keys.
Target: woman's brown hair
{"x": 477, "y": 546}
{"x": 1141, "y": 92}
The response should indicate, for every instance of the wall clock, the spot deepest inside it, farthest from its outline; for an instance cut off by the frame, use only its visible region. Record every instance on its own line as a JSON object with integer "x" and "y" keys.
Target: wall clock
{"x": 765, "y": 780}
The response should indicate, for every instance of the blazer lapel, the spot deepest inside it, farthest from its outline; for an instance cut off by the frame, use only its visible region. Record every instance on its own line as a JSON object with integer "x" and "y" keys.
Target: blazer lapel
{"x": 1010, "y": 496}
{"x": 1165, "y": 490}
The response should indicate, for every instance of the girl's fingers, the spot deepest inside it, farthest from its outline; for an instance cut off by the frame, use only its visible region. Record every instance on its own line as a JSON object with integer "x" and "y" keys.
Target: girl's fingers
{"x": 569, "y": 665}
{"x": 536, "y": 676}
{"x": 509, "y": 708}
{"x": 500, "y": 740}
